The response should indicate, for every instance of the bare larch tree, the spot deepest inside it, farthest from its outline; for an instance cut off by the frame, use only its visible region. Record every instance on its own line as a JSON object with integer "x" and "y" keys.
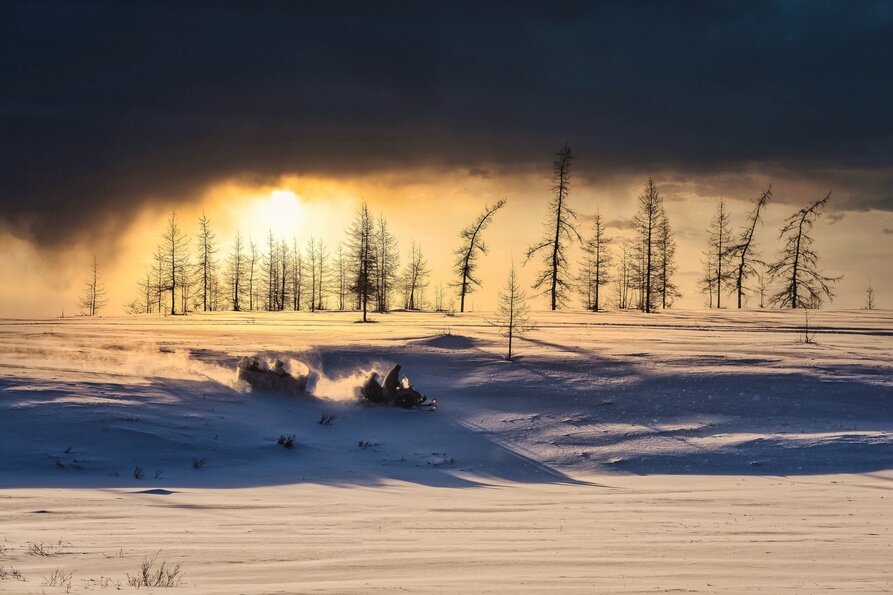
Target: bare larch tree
{"x": 512, "y": 312}
{"x": 595, "y": 266}
{"x": 869, "y": 296}
{"x": 94, "y": 297}
{"x": 646, "y": 223}
{"x": 206, "y": 251}
{"x": 560, "y": 230}
{"x": 236, "y": 264}
{"x": 415, "y": 278}
{"x": 666, "y": 263}
{"x": 312, "y": 264}
{"x": 743, "y": 251}
{"x": 173, "y": 251}
{"x": 623, "y": 273}
{"x": 284, "y": 262}
{"x": 388, "y": 257}
{"x": 341, "y": 265}
{"x": 361, "y": 245}
{"x": 252, "y": 268}
{"x": 718, "y": 253}
{"x": 272, "y": 271}
{"x": 798, "y": 264}
{"x": 317, "y": 258}
{"x": 467, "y": 254}
{"x": 297, "y": 275}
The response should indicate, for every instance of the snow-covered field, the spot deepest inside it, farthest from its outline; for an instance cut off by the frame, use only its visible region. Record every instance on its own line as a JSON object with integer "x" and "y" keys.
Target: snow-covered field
{"x": 696, "y": 451}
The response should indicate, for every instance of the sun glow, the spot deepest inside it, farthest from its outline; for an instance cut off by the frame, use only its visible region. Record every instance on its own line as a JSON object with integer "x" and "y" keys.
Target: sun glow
{"x": 283, "y": 212}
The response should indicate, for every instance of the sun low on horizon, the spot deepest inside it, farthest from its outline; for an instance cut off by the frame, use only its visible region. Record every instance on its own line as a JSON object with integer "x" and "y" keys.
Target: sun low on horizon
{"x": 282, "y": 212}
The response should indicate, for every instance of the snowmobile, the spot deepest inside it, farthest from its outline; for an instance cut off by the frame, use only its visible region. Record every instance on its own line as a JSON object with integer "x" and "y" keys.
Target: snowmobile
{"x": 395, "y": 391}
{"x": 271, "y": 379}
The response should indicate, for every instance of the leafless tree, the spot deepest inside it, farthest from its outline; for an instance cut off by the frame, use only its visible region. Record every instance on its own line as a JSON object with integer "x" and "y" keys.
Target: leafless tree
{"x": 666, "y": 263}
{"x": 512, "y": 312}
{"x": 317, "y": 255}
{"x": 707, "y": 283}
{"x": 438, "y": 298}
{"x": 718, "y": 253}
{"x": 743, "y": 251}
{"x": 206, "y": 265}
{"x": 363, "y": 259}
{"x": 173, "y": 251}
{"x": 147, "y": 295}
{"x": 623, "y": 274}
{"x": 252, "y": 268}
{"x": 312, "y": 265}
{"x": 388, "y": 258}
{"x": 284, "y": 263}
{"x": 236, "y": 267}
{"x": 271, "y": 270}
{"x": 297, "y": 275}
{"x": 595, "y": 266}
{"x": 94, "y": 297}
{"x": 762, "y": 286}
{"x": 159, "y": 285}
{"x": 646, "y": 223}
{"x": 341, "y": 266}
{"x": 467, "y": 254}
{"x": 560, "y": 230}
{"x": 322, "y": 285}
{"x": 798, "y": 264}
{"x": 415, "y": 278}
{"x": 869, "y": 297}
{"x": 187, "y": 286}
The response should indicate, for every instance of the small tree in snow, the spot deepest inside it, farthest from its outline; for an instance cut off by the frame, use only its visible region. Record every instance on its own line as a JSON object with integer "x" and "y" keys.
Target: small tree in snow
{"x": 869, "y": 297}
{"x": 512, "y": 312}
{"x": 94, "y": 296}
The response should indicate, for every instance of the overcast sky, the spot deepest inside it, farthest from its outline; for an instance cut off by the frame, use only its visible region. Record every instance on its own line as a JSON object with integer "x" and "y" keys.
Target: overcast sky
{"x": 107, "y": 109}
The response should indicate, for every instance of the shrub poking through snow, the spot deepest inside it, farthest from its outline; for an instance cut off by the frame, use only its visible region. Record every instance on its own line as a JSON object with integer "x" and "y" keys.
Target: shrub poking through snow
{"x": 286, "y": 441}
{"x": 198, "y": 463}
{"x": 326, "y": 419}
{"x": 138, "y": 472}
{"x": 40, "y": 548}
{"x": 10, "y": 573}
{"x": 154, "y": 574}
{"x": 59, "y": 579}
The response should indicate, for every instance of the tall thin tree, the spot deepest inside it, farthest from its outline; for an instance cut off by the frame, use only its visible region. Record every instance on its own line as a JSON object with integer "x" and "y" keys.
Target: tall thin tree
{"x": 94, "y": 297}
{"x": 206, "y": 251}
{"x": 252, "y": 268}
{"x": 804, "y": 286}
{"x": 743, "y": 251}
{"x": 596, "y": 263}
{"x": 472, "y": 247}
{"x": 666, "y": 263}
{"x": 645, "y": 223}
{"x": 560, "y": 230}
{"x": 362, "y": 252}
{"x": 175, "y": 258}
{"x": 388, "y": 257}
{"x": 415, "y": 278}
{"x": 718, "y": 253}
{"x": 236, "y": 264}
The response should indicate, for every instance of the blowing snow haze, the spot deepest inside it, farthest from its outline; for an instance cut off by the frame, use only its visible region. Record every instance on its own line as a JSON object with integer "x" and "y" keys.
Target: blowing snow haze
{"x": 112, "y": 115}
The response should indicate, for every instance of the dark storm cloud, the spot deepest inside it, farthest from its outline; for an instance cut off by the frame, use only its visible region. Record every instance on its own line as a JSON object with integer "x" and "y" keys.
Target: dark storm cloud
{"x": 106, "y": 105}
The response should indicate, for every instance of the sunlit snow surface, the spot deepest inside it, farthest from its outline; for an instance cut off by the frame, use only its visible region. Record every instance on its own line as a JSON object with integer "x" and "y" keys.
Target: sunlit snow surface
{"x": 707, "y": 451}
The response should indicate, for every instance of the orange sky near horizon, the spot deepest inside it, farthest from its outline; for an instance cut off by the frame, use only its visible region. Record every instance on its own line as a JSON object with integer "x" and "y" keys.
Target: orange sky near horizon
{"x": 431, "y": 208}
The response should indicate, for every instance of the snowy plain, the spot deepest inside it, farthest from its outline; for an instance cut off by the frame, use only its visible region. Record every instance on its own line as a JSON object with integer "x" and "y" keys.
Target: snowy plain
{"x": 697, "y": 451}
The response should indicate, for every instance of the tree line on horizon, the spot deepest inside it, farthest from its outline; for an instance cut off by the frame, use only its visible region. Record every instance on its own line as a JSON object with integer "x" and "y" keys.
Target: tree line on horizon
{"x": 364, "y": 272}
